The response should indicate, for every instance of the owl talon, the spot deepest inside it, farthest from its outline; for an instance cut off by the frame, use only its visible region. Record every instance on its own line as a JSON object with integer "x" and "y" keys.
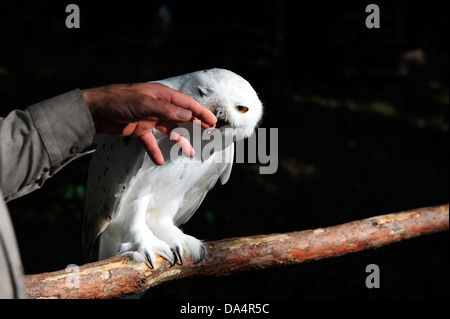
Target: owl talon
{"x": 175, "y": 257}
{"x": 178, "y": 254}
{"x": 149, "y": 259}
{"x": 202, "y": 255}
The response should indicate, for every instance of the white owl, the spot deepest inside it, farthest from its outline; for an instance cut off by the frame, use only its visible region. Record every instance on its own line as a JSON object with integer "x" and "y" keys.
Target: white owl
{"x": 135, "y": 206}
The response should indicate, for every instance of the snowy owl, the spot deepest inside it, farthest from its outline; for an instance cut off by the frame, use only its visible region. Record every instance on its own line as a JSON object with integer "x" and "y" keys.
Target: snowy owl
{"x": 135, "y": 206}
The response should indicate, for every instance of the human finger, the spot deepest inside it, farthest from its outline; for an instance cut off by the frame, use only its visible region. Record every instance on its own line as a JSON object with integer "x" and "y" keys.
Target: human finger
{"x": 151, "y": 147}
{"x": 170, "y": 129}
{"x": 185, "y": 101}
{"x": 145, "y": 107}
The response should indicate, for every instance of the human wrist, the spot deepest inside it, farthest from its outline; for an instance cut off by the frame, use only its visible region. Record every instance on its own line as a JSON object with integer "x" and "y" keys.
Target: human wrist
{"x": 91, "y": 98}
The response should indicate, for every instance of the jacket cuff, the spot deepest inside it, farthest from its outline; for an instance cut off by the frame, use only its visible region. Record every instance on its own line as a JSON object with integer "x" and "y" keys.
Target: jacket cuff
{"x": 65, "y": 126}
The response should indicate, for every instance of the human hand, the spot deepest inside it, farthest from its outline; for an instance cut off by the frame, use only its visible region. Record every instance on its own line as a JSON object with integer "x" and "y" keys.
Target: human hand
{"x": 137, "y": 109}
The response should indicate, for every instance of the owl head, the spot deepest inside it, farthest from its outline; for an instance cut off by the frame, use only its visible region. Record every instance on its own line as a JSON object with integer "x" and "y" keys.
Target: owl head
{"x": 229, "y": 96}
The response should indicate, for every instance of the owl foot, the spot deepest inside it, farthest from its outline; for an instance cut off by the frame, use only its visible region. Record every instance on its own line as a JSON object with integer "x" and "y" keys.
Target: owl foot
{"x": 195, "y": 259}
{"x": 180, "y": 243}
{"x": 144, "y": 245}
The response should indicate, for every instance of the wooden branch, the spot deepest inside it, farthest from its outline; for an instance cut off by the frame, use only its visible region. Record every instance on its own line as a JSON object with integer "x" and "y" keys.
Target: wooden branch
{"x": 119, "y": 276}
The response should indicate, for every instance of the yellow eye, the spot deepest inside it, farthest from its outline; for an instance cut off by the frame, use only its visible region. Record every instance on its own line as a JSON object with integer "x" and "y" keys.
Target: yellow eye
{"x": 241, "y": 109}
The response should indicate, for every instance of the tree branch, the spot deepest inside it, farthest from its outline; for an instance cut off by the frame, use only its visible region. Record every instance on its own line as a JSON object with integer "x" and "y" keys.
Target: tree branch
{"x": 119, "y": 276}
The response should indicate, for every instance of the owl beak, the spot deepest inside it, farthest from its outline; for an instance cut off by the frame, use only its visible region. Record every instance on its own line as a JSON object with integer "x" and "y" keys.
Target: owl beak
{"x": 219, "y": 113}
{"x": 221, "y": 123}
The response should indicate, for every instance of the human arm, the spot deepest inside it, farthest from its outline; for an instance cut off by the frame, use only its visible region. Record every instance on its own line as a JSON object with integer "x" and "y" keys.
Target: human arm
{"x": 37, "y": 142}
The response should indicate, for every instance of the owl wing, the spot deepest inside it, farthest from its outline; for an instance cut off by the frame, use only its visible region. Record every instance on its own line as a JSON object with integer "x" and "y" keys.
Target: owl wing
{"x": 194, "y": 196}
{"x": 229, "y": 157}
{"x": 111, "y": 171}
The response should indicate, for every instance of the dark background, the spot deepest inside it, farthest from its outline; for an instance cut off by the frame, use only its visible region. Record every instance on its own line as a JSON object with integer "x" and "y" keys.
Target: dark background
{"x": 362, "y": 117}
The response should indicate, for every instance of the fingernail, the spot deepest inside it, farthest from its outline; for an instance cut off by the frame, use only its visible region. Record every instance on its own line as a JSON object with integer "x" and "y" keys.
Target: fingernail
{"x": 183, "y": 114}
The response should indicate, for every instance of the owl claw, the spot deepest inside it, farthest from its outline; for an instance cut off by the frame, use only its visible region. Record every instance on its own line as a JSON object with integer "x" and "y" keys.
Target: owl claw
{"x": 202, "y": 255}
{"x": 180, "y": 243}
{"x": 178, "y": 254}
{"x": 149, "y": 259}
{"x": 175, "y": 257}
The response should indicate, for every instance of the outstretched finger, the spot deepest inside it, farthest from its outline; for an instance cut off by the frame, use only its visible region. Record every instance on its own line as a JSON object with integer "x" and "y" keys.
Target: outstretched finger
{"x": 185, "y": 101}
{"x": 176, "y": 135}
{"x": 151, "y": 147}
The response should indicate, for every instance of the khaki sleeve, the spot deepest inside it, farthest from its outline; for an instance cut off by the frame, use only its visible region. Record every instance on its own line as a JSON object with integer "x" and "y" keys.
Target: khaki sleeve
{"x": 12, "y": 283}
{"x": 37, "y": 142}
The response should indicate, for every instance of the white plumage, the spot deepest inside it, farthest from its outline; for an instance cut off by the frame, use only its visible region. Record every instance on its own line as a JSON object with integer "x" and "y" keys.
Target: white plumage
{"x": 133, "y": 205}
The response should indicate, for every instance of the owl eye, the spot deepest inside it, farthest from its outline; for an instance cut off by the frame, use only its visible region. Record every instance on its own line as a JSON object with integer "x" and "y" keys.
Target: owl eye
{"x": 201, "y": 92}
{"x": 241, "y": 109}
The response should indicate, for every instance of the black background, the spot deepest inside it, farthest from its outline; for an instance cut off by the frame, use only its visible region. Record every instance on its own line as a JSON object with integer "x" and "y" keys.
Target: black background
{"x": 362, "y": 117}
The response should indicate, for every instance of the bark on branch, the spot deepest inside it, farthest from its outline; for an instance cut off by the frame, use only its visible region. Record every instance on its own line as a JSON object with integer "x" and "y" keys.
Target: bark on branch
{"x": 119, "y": 276}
